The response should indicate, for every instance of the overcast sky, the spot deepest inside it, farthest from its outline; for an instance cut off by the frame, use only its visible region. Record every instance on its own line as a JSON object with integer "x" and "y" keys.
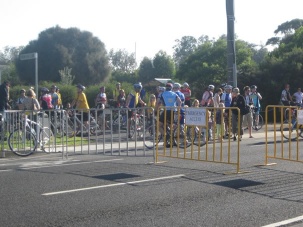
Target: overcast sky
{"x": 150, "y": 26}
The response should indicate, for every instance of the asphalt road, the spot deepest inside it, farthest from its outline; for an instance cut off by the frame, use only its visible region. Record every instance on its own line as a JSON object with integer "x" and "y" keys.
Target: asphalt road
{"x": 121, "y": 190}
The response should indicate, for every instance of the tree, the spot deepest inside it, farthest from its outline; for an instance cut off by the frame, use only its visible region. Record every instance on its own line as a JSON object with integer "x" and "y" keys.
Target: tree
{"x": 146, "y": 70}
{"x": 58, "y": 48}
{"x": 163, "y": 65}
{"x": 183, "y": 48}
{"x": 66, "y": 76}
{"x": 122, "y": 61}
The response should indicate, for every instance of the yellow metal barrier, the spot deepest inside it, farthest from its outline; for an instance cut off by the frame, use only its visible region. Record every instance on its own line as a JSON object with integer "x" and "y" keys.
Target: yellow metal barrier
{"x": 191, "y": 140}
{"x": 285, "y": 136}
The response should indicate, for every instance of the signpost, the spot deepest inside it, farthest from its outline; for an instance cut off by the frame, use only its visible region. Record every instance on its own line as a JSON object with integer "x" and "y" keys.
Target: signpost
{"x": 30, "y": 56}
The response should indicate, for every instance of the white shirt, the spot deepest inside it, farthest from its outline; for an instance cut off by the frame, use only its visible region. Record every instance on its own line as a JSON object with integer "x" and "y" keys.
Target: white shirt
{"x": 299, "y": 96}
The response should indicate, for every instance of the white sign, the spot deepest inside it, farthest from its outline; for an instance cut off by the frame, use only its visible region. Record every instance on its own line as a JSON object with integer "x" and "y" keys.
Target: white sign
{"x": 28, "y": 56}
{"x": 195, "y": 116}
{"x": 300, "y": 117}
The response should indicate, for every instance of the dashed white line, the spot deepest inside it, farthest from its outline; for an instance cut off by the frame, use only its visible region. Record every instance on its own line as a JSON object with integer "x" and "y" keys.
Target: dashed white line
{"x": 113, "y": 185}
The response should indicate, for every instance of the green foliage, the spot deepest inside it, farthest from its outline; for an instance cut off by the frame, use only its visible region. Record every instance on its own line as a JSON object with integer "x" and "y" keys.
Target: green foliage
{"x": 66, "y": 76}
{"x": 122, "y": 61}
{"x": 58, "y": 48}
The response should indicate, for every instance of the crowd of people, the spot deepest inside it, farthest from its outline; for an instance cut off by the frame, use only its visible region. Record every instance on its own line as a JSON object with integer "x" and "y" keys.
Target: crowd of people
{"x": 172, "y": 95}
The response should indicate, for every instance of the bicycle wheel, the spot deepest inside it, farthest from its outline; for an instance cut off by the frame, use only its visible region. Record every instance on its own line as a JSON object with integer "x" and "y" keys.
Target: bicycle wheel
{"x": 288, "y": 131}
{"x": 257, "y": 125}
{"x": 186, "y": 136}
{"x": 150, "y": 140}
{"x": 47, "y": 140}
{"x": 22, "y": 142}
{"x": 199, "y": 137}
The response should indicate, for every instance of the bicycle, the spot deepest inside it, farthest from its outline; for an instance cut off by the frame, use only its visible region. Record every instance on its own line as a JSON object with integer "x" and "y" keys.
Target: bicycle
{"x": 180, "y": 134}
{"x": 75, "y": 123}
{"x": 257, "y": 125}
{"x": 290, "y": 129}
{"x": 24, "y": 140}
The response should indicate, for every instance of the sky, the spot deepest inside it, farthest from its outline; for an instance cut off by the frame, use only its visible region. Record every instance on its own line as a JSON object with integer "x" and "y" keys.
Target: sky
{"x": 144, "y": 26}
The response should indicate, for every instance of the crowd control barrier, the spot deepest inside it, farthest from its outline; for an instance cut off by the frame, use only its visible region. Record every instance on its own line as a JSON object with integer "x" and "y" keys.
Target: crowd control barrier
{"x": 113, "y": 131}
{"x": 287, "y": 133}
{"x": 192, "y": 134}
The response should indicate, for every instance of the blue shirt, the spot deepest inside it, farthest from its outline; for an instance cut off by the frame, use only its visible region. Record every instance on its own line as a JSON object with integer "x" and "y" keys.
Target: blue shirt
{"x": 169, "y": 98}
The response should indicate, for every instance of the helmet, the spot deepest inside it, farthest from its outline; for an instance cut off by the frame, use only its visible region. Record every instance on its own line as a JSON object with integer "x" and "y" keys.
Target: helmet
{"x": 211, "y": 87}
{"x": 228, "y": 87}
{"x": 137, "y": 86}
{"x": 80, "y": 86}
{"x": 186, "y": 84}
{"x": 177, "y": 85}
{"x": 54, "y": 86}
{"x": 169, "y": 85}
{"x": 253, "y": 87}
{"x": 161, "y": 89}
{"x": 223, "y": 85}
{"x": 44, "y": 90}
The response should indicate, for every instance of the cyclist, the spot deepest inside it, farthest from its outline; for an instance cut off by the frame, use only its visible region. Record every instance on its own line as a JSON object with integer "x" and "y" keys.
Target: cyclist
{"x": 121, "y": 99}
{"x": 286, "y": 98}
{"x": 168, "y": 99}
{"x": 248, "y": 118}
{"x": 20, "y": 100}
{"x": 176, "y": 89}
{"x": 81, "y": 103}
{"x": 187, "y": 93}
{"x": 132, "y": 102}
{"x": 45, "y": 100}
{"x": 256, "y": 98}
{"x": 207, "y": 97}
{"x": 101, "y": 99}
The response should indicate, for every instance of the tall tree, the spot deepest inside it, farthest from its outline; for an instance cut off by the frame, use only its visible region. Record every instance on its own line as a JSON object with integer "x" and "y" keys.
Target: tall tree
{"x": 183, "y": 48}
{"x": 146, "y": 70}
{"x": 122, "y": 61}
{"x": 163, "y": 65}
{"x": 58, "y": 48}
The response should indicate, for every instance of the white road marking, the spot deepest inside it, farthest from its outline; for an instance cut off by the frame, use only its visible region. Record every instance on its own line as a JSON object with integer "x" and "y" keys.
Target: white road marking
{"x": 40, "y": 165}
{"x": 114, "y": 185}
{"x": 5, "y": 170}
{"x": 286, "y": 222}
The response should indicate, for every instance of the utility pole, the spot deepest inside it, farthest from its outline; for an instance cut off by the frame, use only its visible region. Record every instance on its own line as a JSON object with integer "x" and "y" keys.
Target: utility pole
{"x": 231, "y": 49}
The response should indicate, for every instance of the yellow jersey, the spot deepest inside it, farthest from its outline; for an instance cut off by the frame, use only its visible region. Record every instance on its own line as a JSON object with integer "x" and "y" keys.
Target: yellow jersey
{"x": 82, "y": 103}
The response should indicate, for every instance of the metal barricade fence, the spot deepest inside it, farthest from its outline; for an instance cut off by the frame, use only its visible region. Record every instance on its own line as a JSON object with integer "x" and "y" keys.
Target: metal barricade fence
{"x": 196, "y": 138}
{"x": 118, "y": 131}
{"x": 284, "y": 140}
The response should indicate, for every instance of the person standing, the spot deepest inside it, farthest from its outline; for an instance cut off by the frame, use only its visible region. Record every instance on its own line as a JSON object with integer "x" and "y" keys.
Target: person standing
{"x": 299, "y": 97}
{"x": 31, "y": 103}
{"x": 226, "y": 98}
{"x": 55, "y": 97}
{"x": 256, "y": 98}
{"x": 237, "y": 101}
{"x": 60, "y": 105}
{"x": 4, "y": 96}
{"x": 217, "y": 97}
{"x": 81, "y": 103}
{"x": 248, "y": 117}
{"x": 187, "y": 93}
{"x": 101, "y": 99}
{"x": 20, "y": 100}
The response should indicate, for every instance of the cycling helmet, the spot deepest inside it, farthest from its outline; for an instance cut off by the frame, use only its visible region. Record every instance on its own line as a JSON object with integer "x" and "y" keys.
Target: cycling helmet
{"x": 137, "y": 86}
{"x": 253, "y": 87}
{"x": 80, "y": 86}
{"x": 223, "y": 85}
{"x": 44, "y": 90}
{"x": 228, "y": 87}
{"x": 186, "y": 84}
{"x": 177, "y": 85}
{"x": 54, "y": 86}
{"x": 161, "y": 89}
{"x": 211, "y": 87}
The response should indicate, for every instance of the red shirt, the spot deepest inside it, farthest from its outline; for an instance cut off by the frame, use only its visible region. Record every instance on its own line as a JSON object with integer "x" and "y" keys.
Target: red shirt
{"x": 186, "y": 92}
